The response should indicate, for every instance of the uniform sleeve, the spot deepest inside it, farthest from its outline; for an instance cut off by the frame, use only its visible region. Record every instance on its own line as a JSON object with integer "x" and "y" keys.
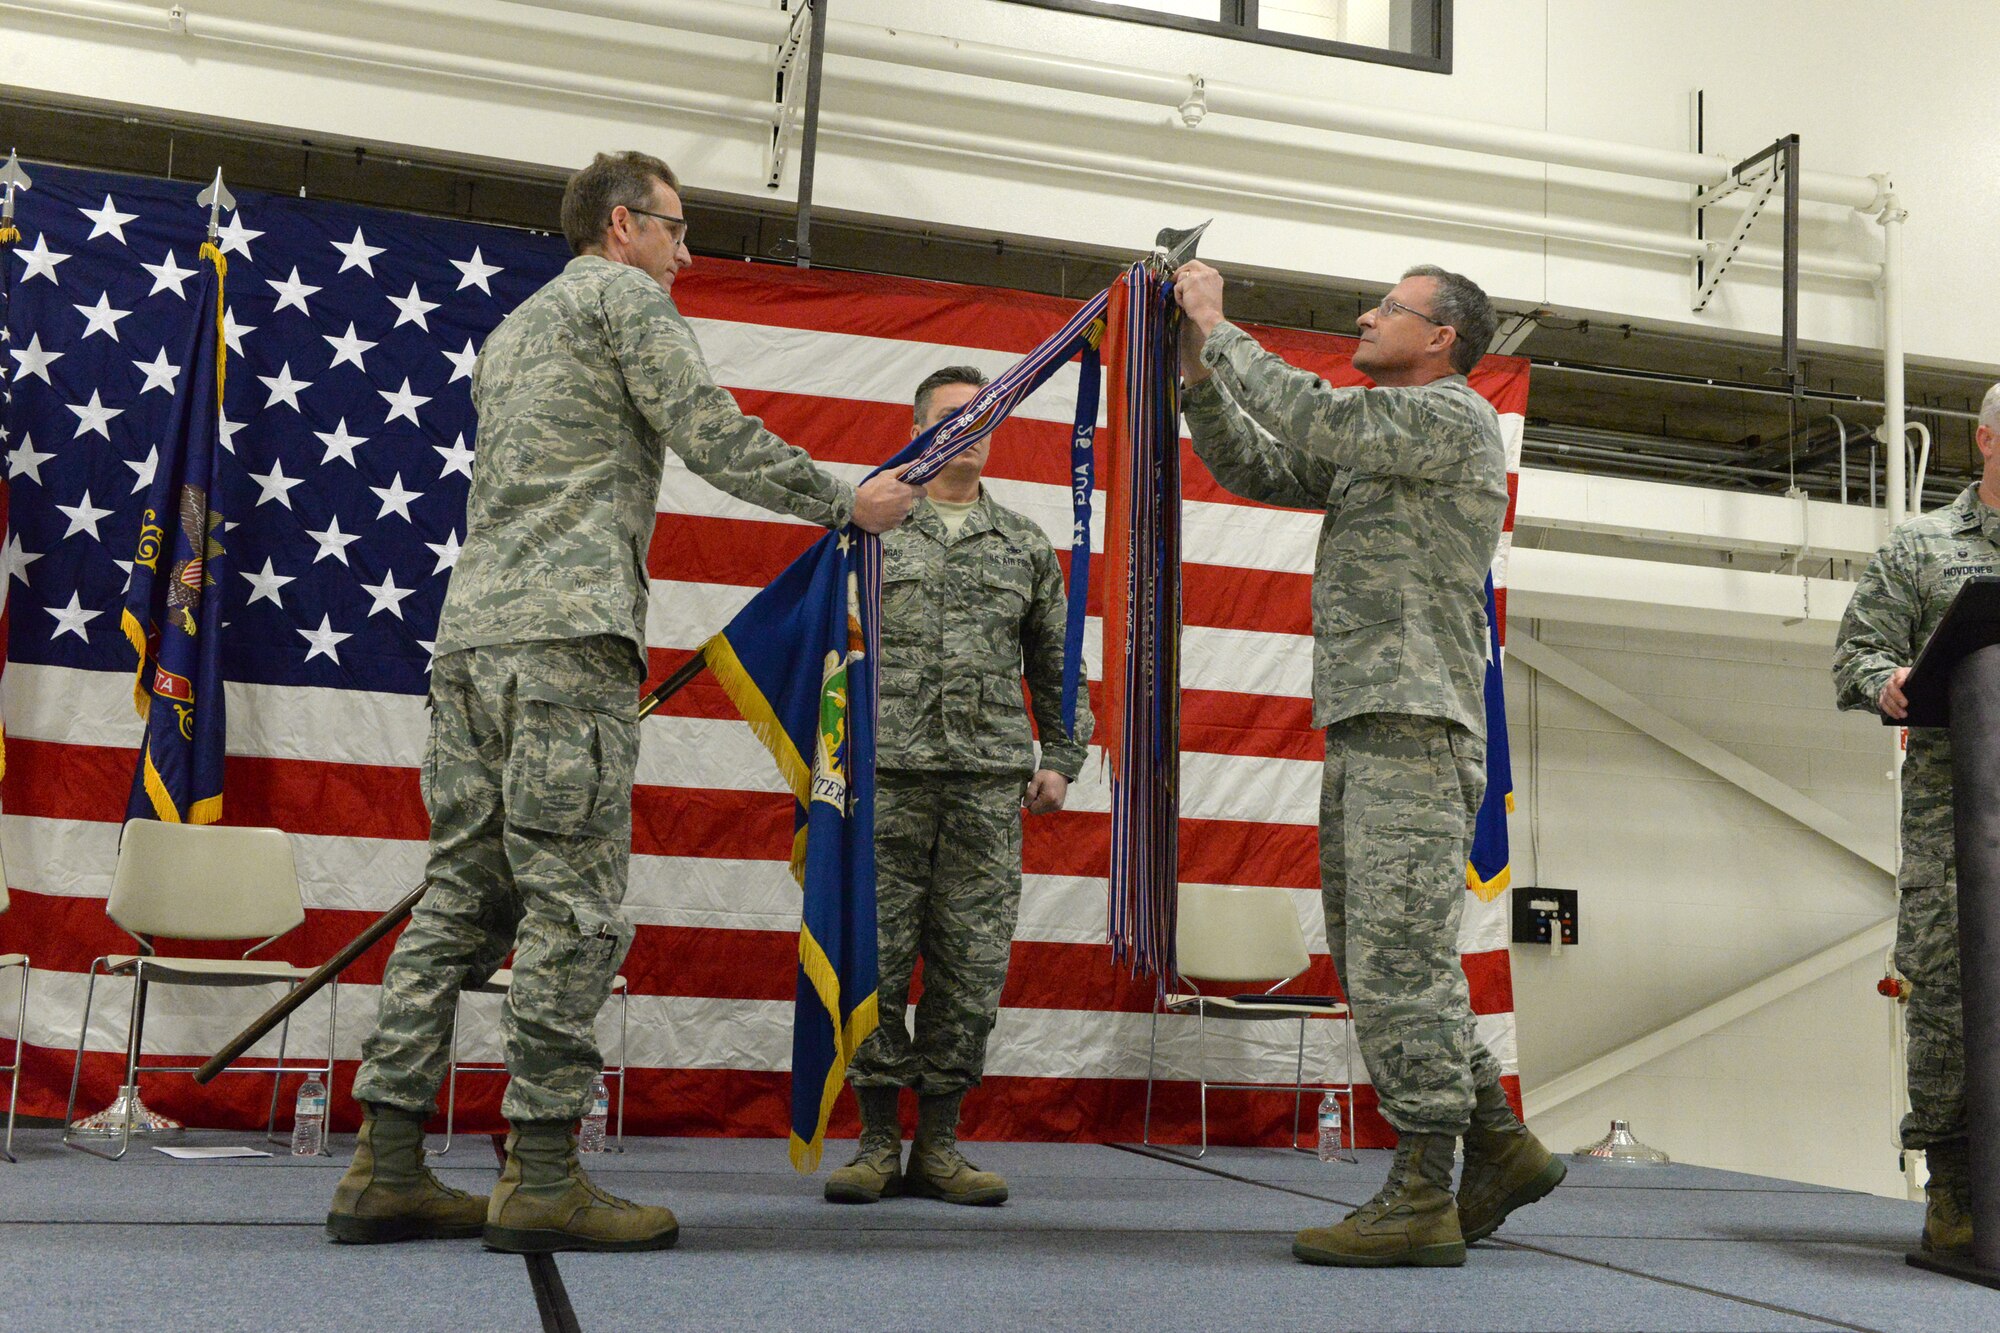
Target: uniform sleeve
{"x": 670, "y": 383}
{"x": 1393, "y": 432}
{"x": 1042, "y": 658}
{"x": 1248, "y": 461}
{"x": 1879, "y": 629}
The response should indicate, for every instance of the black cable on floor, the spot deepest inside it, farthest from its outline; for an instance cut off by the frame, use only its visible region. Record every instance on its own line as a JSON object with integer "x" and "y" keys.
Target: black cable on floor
{"x": 551, "y": 1297}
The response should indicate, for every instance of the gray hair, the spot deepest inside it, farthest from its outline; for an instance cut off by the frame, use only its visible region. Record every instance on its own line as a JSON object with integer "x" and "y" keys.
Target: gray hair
{"x": 612, "y": 180}
{"x": 937, "y": 379}
{"x": 1989, "y": 409}
{"x": 1461, "y": 304}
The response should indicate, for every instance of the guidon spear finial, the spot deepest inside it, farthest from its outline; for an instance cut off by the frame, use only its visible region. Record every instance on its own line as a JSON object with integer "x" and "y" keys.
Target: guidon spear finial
{"x": 1174, "y": 247}
{"x": 217, "y": 197}
{"x": 12, "y": 178}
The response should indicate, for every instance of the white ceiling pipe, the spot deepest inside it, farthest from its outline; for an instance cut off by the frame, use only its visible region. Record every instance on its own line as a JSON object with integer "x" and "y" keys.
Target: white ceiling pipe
{"x": 1180, "y": 175}
{"x": 386, "y": 55}
{"x": 1894, "y": 441}
{"x": 982, "y": 60}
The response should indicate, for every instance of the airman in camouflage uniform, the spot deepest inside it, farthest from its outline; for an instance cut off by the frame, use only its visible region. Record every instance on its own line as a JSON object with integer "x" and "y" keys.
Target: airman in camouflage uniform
{"x": 534, "y": 721}
{"x": 1412, "y": 475}
{"x": 1896, "y": 607}
{"x": 971, "y": 596}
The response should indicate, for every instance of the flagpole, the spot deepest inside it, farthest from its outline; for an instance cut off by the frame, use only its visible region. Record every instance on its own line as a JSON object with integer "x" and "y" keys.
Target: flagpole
{"x": 233, "y": 1050}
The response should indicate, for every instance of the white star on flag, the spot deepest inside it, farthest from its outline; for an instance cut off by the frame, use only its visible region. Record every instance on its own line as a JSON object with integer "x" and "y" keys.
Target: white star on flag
{"x": 107, "y": 221}
{"x": 83, "y": 517}
{"x": 446, "y": 551}
{"x": 325, "y": 640}
{"x": 386, "y": 596}
{"x": 93, "y": 416}
{"x": 24, "y": 460}
{"x": 101, "y": 317}
{"x": 41, "y": 261}
{"x": 357, "y": 252}
{"x": 291, "y": 292}
{"x": 339, "y": 444}
{"x": 275, "y": 485}
{"x": 284, "y": 389}
{"x": 15, "y": 559}
{"x": 476, "y": 271}
{"x": 411, "y": 309}
{"x": 169, "y": 274}
{"x": 146, "y": 469}
{"x": 457, "y": 458}
{"x": 333, "y": 542}
{"x": 403, "y": 403}
{"x": 234, "y": 333}
{"x": 226, "y": 430}
{"x": 264, "y": 585}
{"x": 236, "y": 236}
{"x": 396, "y": 500}
{"x": 71, "y": 619}
{"x": 34, "y": 361}
{"x": 159, "y": 375}
{"x": 126, "y": 565}
{"x": 348, "y": 347}
{"x": 461, "y": 362}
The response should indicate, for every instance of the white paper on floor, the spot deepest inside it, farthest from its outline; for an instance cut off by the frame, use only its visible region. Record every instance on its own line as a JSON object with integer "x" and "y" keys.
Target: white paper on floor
{"x": 209, "y": 1154}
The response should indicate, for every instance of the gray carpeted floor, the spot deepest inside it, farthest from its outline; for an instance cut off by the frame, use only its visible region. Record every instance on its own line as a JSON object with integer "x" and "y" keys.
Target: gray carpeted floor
{"x": 1095, "y": 1236}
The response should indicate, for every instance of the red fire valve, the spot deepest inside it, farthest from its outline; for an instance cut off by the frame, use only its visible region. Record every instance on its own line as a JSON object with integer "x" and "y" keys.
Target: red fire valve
{"x": 1894, "y": 988}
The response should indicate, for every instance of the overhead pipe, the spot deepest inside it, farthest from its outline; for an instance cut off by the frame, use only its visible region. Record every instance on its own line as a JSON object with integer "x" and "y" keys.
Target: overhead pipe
{"x": 1894, "y": 463}
{"x": 1170, "y": 90}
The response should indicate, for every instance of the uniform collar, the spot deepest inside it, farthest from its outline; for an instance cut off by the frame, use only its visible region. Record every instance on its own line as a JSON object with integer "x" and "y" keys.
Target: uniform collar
{"x": 978, "y": 519}
{"x": 1970, "y": 513}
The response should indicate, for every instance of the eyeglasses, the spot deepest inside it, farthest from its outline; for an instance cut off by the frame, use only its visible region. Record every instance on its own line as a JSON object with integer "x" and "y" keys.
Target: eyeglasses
{"x": 1390, "y": 307}
{"x": 677, "y": 228}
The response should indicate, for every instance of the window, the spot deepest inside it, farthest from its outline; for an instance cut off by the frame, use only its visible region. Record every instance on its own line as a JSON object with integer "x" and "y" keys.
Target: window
{"x": 1412, "y": 33}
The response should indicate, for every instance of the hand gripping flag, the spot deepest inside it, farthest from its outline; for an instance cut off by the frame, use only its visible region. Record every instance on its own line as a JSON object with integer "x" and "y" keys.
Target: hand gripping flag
{"x": 799, "y": 664}
{"x": 173, "y": 610}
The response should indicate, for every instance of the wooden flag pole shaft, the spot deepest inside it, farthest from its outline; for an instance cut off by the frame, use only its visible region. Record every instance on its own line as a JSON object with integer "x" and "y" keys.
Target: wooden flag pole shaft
{"x": 389, "y": 920}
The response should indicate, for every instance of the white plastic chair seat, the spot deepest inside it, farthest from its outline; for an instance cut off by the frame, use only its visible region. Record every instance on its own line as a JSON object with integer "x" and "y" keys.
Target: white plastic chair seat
{"x": 498, "y": 983}
{"x": 12, "y": 959}
{"x": 210, "y": 971}
{"x": 1222, "y": 1006}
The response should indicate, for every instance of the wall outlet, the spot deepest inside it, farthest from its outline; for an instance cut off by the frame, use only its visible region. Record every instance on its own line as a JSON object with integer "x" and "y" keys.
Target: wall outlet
{"x": 1538, "y": 911}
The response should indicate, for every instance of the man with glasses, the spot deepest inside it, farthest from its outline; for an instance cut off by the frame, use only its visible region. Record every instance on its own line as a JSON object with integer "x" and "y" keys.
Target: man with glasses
{"x": 541, "y": 650}
{"x": 1412, "y": 475}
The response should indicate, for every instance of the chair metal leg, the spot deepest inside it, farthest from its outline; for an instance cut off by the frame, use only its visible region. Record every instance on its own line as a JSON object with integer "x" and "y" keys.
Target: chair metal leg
{"x": 278, "y": 1080}
{"x": 14, "y": 1070}
{"x": 134, "y": 1029}
{"x": 1201, "y": 1072}
{"x": 1299, "y": 1085}
{"x": 624, "y": 1057}
{"x": 76, "y": 1067}
{"x": 1152, "y": 1047}
{"x": 451, "y": 1076}
{"x": 332, "y": 1027}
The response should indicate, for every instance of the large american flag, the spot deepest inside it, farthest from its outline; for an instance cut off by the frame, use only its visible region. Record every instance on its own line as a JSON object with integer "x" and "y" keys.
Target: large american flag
{"x": 352, "y": 333}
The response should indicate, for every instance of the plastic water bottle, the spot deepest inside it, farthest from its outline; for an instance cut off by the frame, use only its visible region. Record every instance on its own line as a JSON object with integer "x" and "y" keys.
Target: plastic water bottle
{"x": 309, "y": 1119}
{"x": 591, "y": 1138}
{"x": 1329, "y": 1128}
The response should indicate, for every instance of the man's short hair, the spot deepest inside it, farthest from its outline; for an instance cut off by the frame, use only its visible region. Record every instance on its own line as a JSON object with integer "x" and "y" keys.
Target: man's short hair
{"x": 1461, "y": 304}
{"x": 612, "y": 180}
{"x": 1989, "y": 409}
{"x": 937, "y": 379}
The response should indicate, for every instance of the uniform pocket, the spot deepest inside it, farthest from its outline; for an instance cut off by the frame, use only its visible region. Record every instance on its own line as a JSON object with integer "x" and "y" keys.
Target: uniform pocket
{"x": 1362, "y": 634}
{"x": 570, "y": 768}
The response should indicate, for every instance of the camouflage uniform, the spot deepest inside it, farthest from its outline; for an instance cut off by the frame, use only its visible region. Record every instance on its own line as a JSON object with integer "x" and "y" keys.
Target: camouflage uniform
{"x": 962, "y": 618}
{"x": 1896, "y": 606}
{"x": 1414, "y": 485}
{"x": 541, "y": 652}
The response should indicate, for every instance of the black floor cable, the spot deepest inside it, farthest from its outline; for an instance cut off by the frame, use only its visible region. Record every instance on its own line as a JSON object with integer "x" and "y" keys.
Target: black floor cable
{"x": 1174, "y": 1159}
{"x": 551, "y": 1296}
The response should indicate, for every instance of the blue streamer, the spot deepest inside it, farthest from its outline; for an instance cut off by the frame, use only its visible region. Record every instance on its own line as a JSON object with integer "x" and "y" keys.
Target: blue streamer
{"x": 1082, "y": 476}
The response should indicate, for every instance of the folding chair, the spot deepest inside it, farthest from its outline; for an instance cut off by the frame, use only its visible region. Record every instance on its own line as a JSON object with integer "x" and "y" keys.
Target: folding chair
{"x": 9, "y": 961}
{"x": 196, "y": 882}
{"x": 497, "y": 984}
{"x": 1235, "y": 935}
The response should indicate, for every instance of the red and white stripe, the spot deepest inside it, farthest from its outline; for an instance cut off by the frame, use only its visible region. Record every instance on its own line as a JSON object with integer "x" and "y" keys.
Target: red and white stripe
{"x": 829, "y": 361}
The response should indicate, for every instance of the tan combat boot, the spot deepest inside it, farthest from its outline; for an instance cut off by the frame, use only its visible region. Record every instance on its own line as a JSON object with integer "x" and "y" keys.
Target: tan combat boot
{"x": 1413, "y": 1221}
{"x": 938, "y": 1170}
{"x": 389, "y": 1194}
{"x": 877, "y": 1169}
{"x": 1948, "y": 1199}
{"x": 545, "y": 1202}
{"x": 1506, "y": 1167}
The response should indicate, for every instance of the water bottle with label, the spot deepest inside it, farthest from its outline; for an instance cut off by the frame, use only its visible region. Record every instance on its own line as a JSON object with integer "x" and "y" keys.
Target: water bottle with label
{"x": 1329, "y": 1128}
{"x": 591, "y": 1136}
{"x": 309, "y": 1119}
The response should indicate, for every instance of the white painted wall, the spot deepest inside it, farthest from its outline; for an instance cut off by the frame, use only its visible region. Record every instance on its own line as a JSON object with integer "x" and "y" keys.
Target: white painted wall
{"x": 1691, "y": 889}
{"x": 1868, "y": 93}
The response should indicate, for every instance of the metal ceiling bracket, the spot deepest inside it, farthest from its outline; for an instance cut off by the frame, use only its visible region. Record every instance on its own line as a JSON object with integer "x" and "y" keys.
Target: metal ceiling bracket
{"x": 788, "y": 90}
